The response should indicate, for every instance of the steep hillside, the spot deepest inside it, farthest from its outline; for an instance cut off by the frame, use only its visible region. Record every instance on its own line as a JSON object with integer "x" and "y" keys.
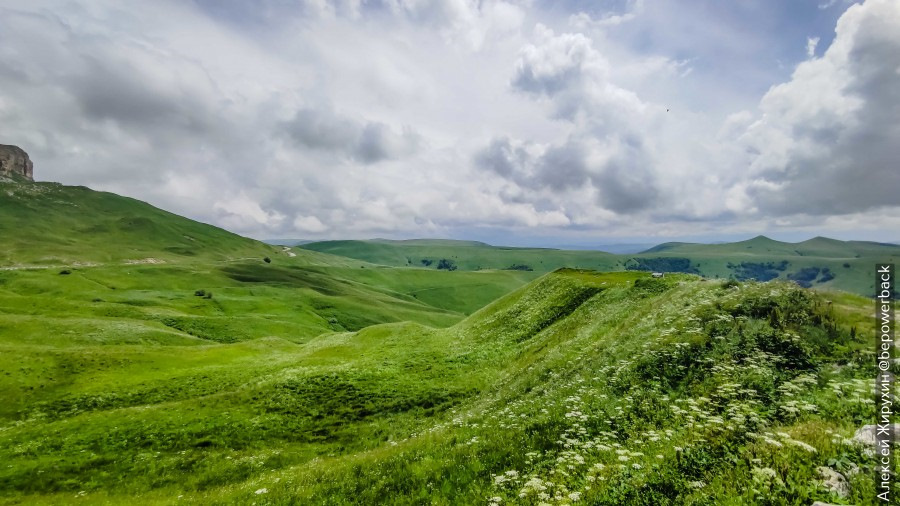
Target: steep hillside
{"x": 579, "y": 387}
{"x": 48, "y": 223}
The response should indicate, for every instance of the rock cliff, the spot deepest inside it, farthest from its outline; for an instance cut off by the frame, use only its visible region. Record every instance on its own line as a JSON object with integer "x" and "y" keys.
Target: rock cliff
{"x": 15, "y": 164}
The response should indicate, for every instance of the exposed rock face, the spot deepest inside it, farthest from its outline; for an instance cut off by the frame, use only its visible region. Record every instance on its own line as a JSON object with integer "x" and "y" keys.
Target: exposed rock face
{"x": 14, "y": 162}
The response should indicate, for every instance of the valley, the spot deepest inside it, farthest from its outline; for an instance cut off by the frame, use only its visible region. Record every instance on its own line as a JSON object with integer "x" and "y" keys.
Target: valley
{"x": 226, "y": 371}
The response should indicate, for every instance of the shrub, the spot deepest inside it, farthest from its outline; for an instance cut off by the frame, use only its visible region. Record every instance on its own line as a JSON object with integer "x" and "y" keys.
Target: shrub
{"x": 649, "y": 286}
{"x": 760, "y": 271}
{"x": 267, "y": 260}
{"x": 65, "y": 272}
{"x": 805, "y": 276}
{"x": 519, "y": 267}
{"x": 200, "y": 293}
{"x": 449, "y": 265}
{"x": 661, "y": 264}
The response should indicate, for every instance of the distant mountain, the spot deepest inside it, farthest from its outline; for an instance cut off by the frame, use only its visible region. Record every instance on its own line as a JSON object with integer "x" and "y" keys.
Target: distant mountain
{"x": 818, "y": 262}
{"x": 465, "y": 255}
{"x": 619, "y": 248}
{"x": 822, "y": 247}
{"x": 287, "y": 242}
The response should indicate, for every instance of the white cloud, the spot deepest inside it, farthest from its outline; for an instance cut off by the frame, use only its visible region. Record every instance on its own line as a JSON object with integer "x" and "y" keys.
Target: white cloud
{"x": 826, "y": 142}
{"x": 811, "y": 43}
{"x": 443, "y": 117}
{"x": 309, "y": 224}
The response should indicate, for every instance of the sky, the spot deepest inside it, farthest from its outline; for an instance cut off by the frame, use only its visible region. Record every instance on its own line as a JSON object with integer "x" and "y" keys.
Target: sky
{"x": 515, "y": 122}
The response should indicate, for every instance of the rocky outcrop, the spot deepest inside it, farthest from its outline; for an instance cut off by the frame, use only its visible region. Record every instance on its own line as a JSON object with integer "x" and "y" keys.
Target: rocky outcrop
{"x": 15, "y": 164}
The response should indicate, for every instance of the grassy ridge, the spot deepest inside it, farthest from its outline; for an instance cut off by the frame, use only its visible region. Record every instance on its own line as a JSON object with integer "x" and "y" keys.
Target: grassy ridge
{"x": 616, "y": 388}
{"x": 217, "y": 377}
{"x": 820, "y": 262}
{"x": 48, "y": 223}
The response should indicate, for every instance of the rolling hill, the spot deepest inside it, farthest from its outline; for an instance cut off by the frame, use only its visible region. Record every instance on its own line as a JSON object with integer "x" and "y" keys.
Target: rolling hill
{"x": 132, "y": 371}
{"x": 463, "y": 255}
{"x": 76, "y": 261}
{"x": 820, "y": 262}
{"x": 586, "y": 387}
{"x": 48, "y": 223}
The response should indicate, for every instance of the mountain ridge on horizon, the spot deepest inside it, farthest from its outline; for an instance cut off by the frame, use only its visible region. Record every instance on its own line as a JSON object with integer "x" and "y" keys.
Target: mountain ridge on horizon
{"x": 50, "y": 223}
{"x": 761, "y": 238}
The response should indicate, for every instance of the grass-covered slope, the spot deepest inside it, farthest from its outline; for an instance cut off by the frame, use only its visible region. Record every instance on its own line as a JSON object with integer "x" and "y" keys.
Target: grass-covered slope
{"x": 73, "y": 258}
{"x": 580, "y": 387}
{"x": 819, "y": 262}
{"x": 463, "y": 255}
{"x": 48, "y": 223}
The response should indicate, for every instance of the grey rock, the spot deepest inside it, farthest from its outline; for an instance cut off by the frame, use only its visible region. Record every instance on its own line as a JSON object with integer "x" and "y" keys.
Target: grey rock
{"x": 834, "y": 481}
{"x": 15, "y": 164}
{"x": 820, "y": 503}
{"x": 866, "y": 434}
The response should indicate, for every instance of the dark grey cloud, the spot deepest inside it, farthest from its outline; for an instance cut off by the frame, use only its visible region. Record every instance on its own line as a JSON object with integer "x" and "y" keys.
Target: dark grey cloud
{"x": 107, "y": 87}
{"x": 374, "y": 143}
{"x": 323, "y": 129}
{"x": 503, "y": 158}
{"x": 624, "y": 183}
{"x": 562, "y": 168}
{"x": 368, "y": 142}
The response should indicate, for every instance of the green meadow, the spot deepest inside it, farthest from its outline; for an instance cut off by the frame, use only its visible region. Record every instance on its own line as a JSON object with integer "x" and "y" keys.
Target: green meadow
{"x": 149, "y": 359}
{"x": 821, "y": 263}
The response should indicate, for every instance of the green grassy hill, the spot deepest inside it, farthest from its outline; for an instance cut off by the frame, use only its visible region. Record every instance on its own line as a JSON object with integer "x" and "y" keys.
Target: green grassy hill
{"x": 217, "y": 377}
{"x": 579, "y": 387}
{"x": 463, "y": 255}
{"x": 48, "y": 223}
{"x": 74, "y": 253}
{"x": 820, "y": 262}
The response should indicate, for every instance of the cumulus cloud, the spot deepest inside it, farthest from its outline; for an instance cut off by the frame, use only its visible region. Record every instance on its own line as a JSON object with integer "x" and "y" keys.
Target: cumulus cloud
{"x": 349, "y": 118}
{"x": 826, "y": 142}
{"x": 606, "y": 149}
{"x": 365, "y": 141}
{"x": 556, "y": 63}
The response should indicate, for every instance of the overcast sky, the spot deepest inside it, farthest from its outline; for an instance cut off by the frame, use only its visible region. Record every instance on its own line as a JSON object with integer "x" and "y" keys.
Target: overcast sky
{"x": 515, "y": 122}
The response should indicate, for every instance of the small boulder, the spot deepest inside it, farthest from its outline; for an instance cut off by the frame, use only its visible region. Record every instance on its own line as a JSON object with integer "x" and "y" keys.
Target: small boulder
{"x": 834, "y": 481}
